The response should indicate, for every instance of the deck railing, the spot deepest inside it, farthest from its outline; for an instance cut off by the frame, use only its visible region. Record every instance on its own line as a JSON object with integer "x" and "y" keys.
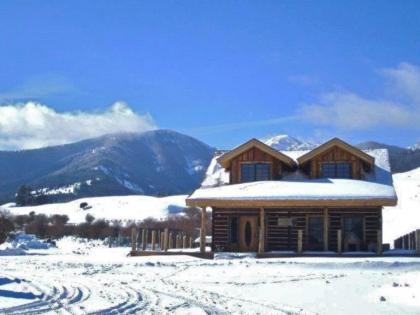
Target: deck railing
{"x": 409, "y": 241}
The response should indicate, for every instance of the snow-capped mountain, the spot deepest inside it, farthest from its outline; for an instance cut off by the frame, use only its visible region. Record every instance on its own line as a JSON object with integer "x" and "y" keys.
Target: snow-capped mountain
{"x": 415, "y": 147}
{"x": 159, "y": 162}
{"x": 288, "y": 143}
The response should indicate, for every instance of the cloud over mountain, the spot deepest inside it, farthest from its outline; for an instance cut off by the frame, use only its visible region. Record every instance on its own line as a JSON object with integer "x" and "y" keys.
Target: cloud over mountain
{"x": 34, "y": 125}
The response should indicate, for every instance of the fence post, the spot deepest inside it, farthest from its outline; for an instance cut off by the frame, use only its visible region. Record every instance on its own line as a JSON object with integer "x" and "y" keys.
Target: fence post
{"x": 300, "y": 239}
{"x": 133, "y": 239}
{"x": 171, "y": 241}
{"x": 184, "y": 241}
{"x": 379, "y": 243}
{"x": 339, "y": 241}
{"x": 143, "y": 239}
{"x": 165, "y": 243}
{"x": 153, "y": 239}
{"x": 418, "y": 241}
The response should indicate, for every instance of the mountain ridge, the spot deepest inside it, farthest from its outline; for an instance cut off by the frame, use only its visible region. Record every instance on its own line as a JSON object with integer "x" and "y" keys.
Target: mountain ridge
{"x": 158, "y": 162}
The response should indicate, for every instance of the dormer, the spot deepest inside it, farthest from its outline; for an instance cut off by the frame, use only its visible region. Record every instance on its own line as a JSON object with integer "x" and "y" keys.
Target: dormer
{"x": 336, "y": 159}
{"x": 255, "y": 161}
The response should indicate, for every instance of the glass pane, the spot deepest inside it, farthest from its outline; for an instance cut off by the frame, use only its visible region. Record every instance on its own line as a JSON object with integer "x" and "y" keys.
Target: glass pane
{"x": 343, "y": 170}
{"x": 336, "y": 170}
{"x": 247, "y": 173}
{"x": 328, "y": 170}
{"x": 315, "y": 230}
{"x": 262, "y": 171}
{"x": 234, "y": 230}
{"x": 353, "y": 228}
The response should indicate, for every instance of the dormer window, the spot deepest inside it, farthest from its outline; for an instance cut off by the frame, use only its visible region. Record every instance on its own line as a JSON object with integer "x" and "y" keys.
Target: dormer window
{"x": 252, "y": 172}
{"x": 336, "y": 170}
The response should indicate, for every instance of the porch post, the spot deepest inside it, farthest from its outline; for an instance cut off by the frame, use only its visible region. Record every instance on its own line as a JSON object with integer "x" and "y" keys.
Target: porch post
{"x": 203, "y": 231}
{"x": 326, "y": 227}
{"x": 261, "y": 245}
{"x": 379, "y": 243}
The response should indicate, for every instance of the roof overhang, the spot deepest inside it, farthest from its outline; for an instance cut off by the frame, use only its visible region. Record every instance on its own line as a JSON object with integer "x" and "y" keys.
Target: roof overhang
{"x": 225, "y": 159}
{"x": 237, "y": 203}
{"x": 341, "y": 144}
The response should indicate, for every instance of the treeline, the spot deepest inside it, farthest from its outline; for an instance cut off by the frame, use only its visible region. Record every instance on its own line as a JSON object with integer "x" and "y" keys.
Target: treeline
{"x": 57, "y": 226}
{"x": 26, "y": 196}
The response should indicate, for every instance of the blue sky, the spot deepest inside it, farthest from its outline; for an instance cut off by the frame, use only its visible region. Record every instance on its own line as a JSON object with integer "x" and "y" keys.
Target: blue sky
{"x": 221, "y": 71}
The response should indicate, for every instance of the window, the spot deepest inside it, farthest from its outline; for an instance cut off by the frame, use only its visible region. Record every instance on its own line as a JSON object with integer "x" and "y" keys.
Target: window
{"x": 336, "y": 170}
{"x": 353, "y": 226}
{"x": 315, "y": 231}
{"x": 353, "y": 233}
{"x": 251, "y": 172}
{"x": 234, "y": 230}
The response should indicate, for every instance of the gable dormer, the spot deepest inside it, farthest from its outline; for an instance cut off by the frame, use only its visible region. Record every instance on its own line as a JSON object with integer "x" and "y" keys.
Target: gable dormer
{"x": 255, "y": 161}
{"x": 336, "y": 159}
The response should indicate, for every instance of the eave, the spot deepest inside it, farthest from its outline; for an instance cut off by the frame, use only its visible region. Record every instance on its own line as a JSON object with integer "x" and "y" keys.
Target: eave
{"x": 243, "y": 203}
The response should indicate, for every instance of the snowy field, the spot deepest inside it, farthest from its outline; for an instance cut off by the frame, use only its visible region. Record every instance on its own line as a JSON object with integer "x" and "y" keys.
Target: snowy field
{"x": 80, "y": 278}
{"x": 121, "y": 208}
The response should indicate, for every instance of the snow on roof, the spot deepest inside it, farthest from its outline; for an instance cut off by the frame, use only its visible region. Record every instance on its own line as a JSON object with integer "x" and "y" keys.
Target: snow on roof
{"x": 315, "y": 189}
{"x": 376, "y": 184}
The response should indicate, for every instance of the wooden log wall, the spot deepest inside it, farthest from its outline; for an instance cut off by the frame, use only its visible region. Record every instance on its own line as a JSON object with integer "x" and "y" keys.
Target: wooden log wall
{"x": 220, "y": 227}
{"x": 281, "y": 238}
{"x": 372, "y": 223}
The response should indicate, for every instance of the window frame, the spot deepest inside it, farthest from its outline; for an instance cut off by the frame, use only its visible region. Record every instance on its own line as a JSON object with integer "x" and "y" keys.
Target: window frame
{"x": 308, "y": 243}
{"x": 336, "y": 168}
{"x": 254, "y": 164}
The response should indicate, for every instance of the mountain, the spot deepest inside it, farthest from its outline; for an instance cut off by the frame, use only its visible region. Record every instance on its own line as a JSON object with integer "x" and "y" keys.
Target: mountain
{"x": 288, "y": 143}
{"x": 402, "y": 159}
{"x": 159, "y": 162}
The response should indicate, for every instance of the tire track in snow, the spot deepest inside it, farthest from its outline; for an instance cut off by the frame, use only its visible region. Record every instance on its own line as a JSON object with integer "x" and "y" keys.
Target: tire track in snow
{"x": 56, "y": 298}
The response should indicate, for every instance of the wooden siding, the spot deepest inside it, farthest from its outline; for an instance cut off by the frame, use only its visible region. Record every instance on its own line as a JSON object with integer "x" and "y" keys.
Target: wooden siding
{"x": 284, "y": 238}
{"x": 336, "y": 154}
{"x": 254, "y": 155}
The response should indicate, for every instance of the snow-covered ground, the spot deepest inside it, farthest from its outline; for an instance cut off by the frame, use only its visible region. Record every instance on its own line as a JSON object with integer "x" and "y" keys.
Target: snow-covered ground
{"x": 124, "y": 208}
{"x": 405, "y": 217}
{"x": 82, "y": 277}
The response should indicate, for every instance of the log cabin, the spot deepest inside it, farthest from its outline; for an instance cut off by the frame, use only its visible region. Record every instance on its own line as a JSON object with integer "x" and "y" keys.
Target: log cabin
{"x": 327, "y": 199}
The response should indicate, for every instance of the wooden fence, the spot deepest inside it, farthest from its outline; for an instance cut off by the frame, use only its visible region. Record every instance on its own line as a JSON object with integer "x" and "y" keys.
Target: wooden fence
{"x": 159, "y": 240}
{"x": 410, "y": 241}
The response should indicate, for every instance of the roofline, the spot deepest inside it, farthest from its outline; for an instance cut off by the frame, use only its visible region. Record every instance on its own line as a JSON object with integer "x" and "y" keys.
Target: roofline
{"x": 255, "y": 203}
{"x": 336, "y": 142}
{"x": 225, "y": 158}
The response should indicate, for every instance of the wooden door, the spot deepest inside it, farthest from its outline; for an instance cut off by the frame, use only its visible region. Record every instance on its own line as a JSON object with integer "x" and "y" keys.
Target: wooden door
{"x": 248, "y": 233}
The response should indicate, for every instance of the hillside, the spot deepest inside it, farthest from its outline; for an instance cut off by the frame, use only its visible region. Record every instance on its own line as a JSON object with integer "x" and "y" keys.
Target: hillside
{"x": 123, "y": 208}
{"x": 159, "y": 162}
{"x": 402, "y": 159}
{"x": 405, "y": 217}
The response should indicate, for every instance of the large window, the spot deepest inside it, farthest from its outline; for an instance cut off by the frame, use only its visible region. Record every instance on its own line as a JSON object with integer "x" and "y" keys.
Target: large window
{"x": 336, "y": 170}
{"x": 315, "y": 232}
{"x": 251, "y": 172}
{"x": 353, "y": 233}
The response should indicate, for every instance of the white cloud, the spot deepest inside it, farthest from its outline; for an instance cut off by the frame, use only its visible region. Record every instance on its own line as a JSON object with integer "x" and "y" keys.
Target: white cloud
{"x": 404, "y": 80}
{"x": 348, "y": 110}
{"x": 33, "y": 125}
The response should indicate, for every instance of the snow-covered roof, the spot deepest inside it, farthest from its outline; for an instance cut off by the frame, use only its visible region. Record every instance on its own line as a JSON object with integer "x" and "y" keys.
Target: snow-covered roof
{"x": 375, "y": 185}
